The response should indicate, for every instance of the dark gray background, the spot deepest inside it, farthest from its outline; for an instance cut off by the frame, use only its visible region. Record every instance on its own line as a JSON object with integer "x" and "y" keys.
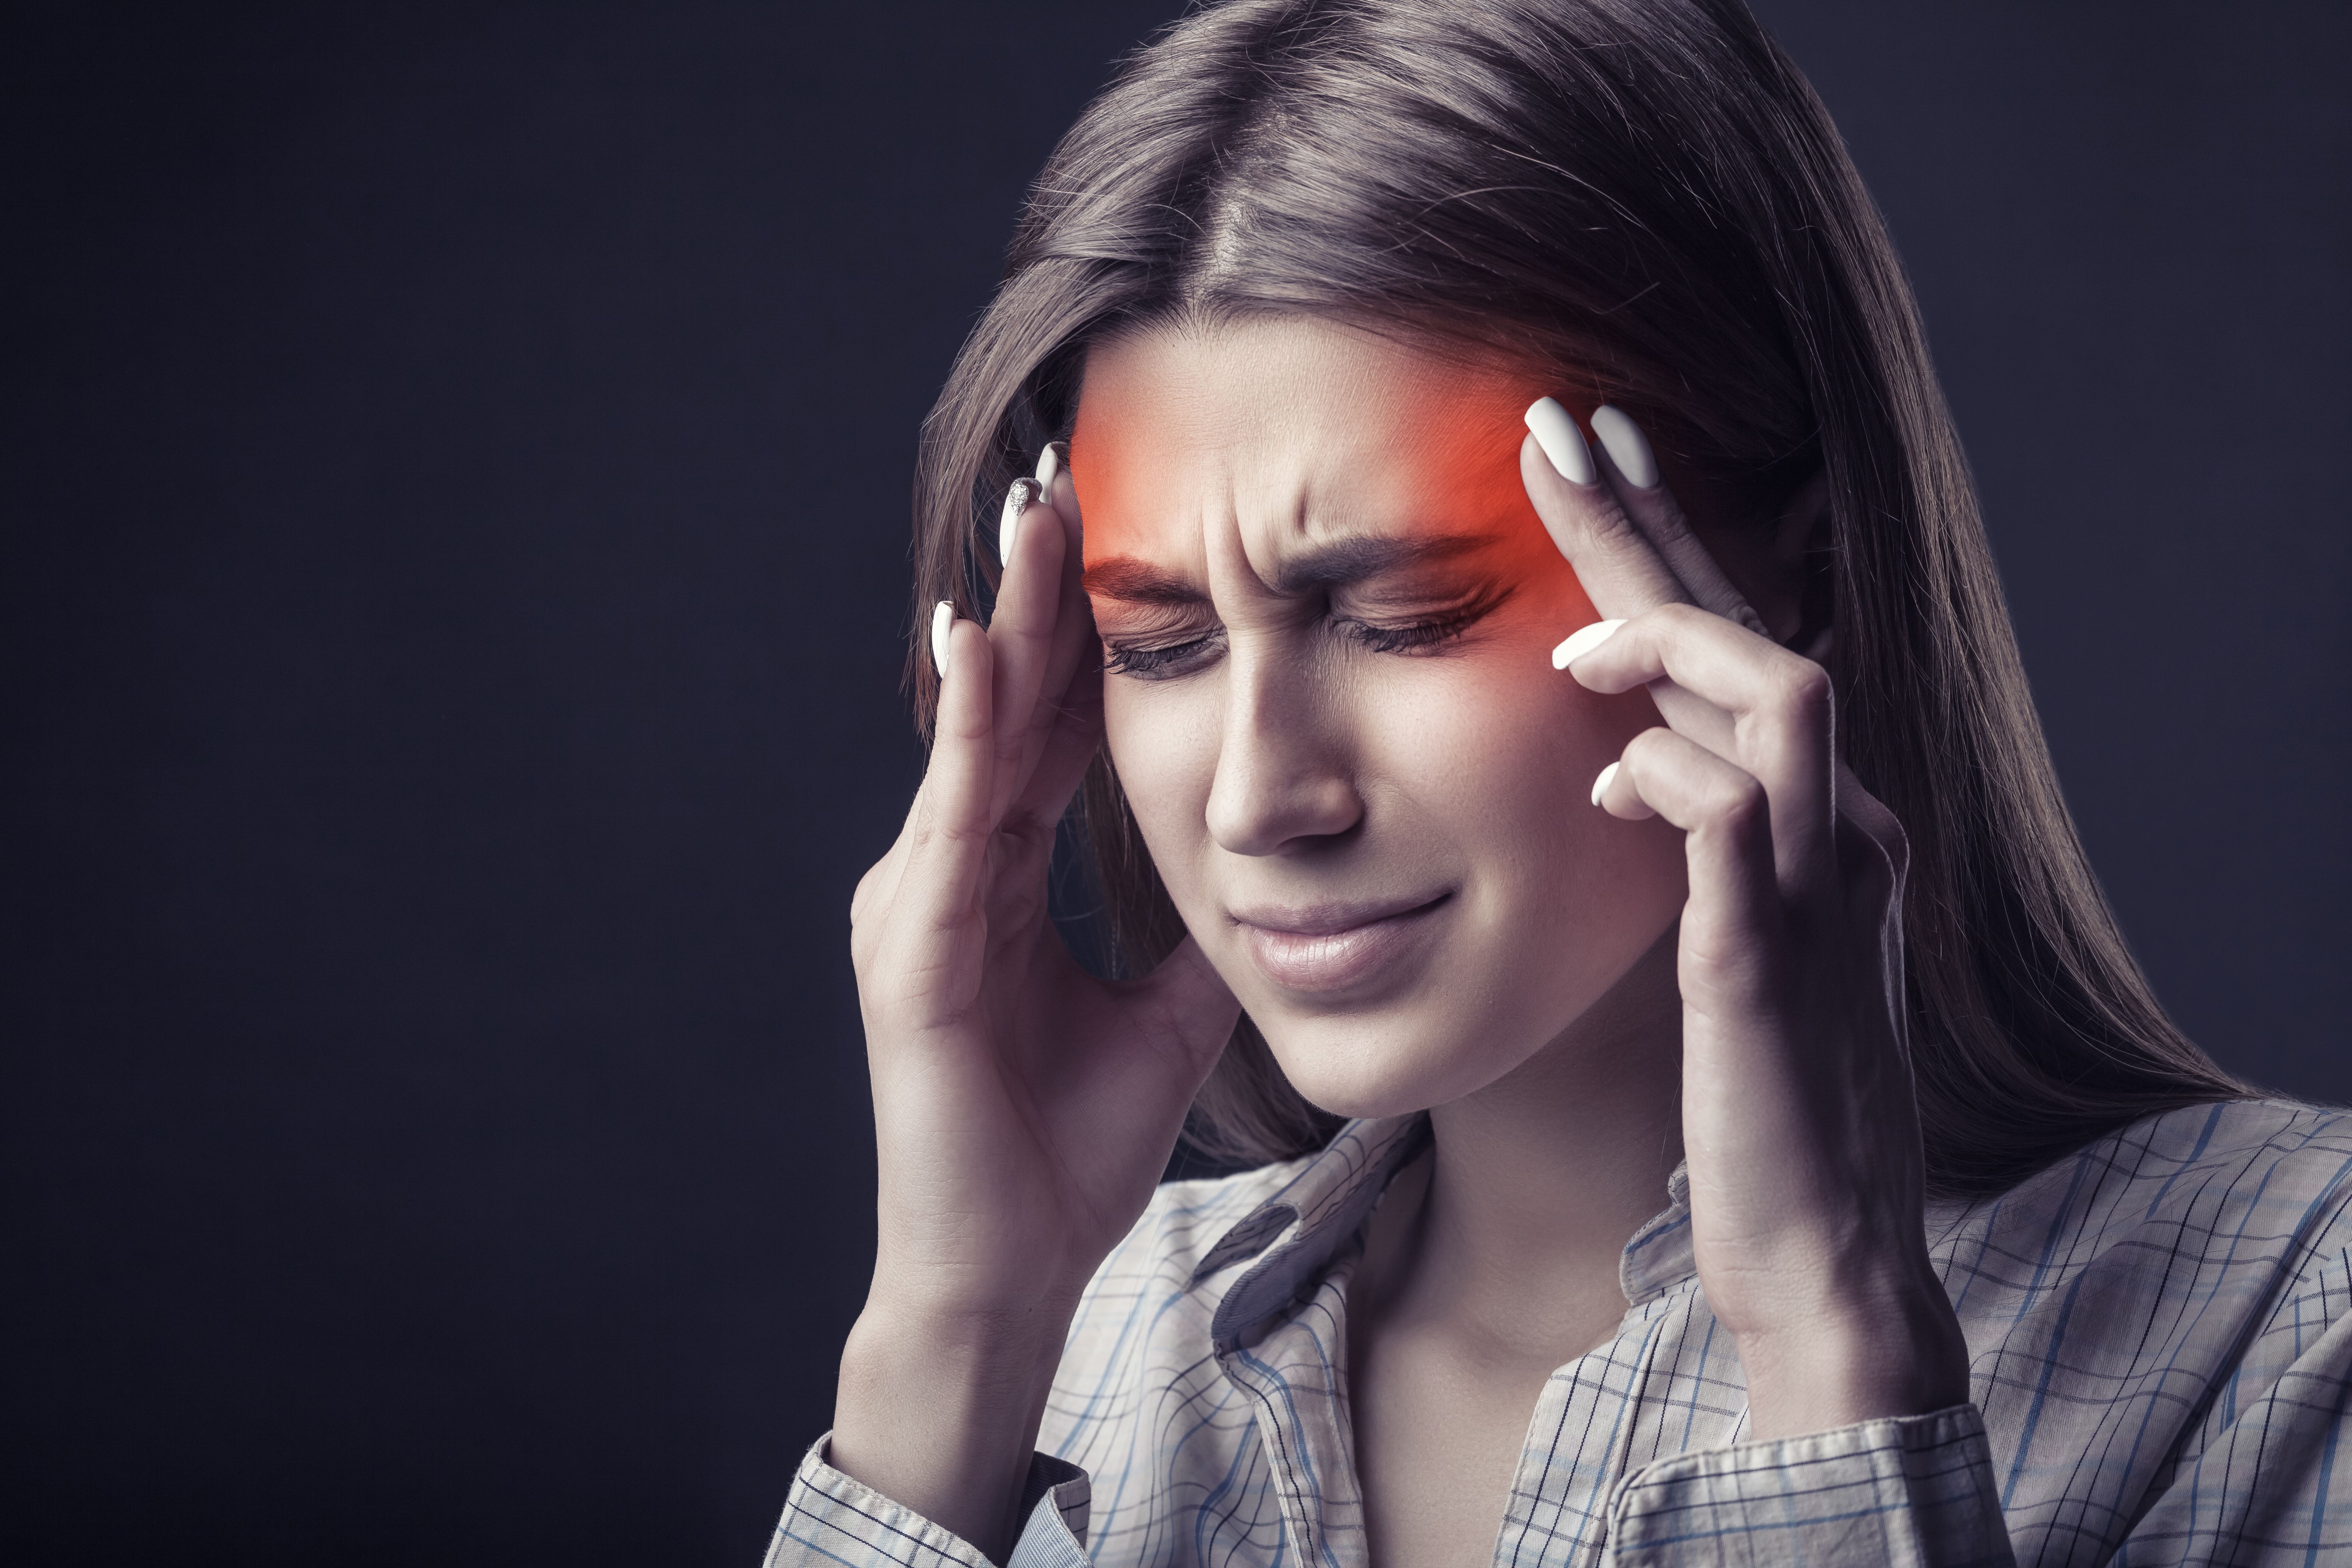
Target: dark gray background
{"x": 454, "y": 471}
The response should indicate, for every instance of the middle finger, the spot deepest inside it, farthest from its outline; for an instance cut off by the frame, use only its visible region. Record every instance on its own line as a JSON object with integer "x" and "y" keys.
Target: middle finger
{"x": 1774, "y": 714}
{"x": 1024, "y": 634}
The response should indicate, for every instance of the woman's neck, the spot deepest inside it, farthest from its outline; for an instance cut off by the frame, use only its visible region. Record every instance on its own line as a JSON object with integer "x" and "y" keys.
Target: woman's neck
{"x": 1510, "y": 1232}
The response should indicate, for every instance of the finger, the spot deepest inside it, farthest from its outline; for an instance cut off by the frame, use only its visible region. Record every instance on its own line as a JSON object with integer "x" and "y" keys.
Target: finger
{"x": 1725, "y": 818}
{"x": 1026, "y": 835}
{"x": 948, "y": 853}
{"x": 1065, "y": 724}
{"x": 1068, "y": 748}
{"x": 1631, "y": 469}
{"x": 1021, "y": 633}
{"x": 1054, "y": 479}
{"x": 1621, "y": 573}
{"x": 1073, "y": 637}
{"x": 1076, "y": 650}
{"x": 1766, "y": 711}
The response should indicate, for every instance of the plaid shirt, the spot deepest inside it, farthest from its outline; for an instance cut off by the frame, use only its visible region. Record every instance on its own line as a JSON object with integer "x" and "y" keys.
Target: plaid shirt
{"x": 2159, "y": 1351}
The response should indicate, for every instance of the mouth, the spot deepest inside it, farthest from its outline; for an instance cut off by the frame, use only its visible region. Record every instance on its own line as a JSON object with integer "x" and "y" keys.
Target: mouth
{"x": 1320, "y": 948}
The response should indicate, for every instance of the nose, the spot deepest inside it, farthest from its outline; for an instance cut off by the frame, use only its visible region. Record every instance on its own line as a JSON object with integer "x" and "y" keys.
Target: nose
{"x": 1283, "y": 783}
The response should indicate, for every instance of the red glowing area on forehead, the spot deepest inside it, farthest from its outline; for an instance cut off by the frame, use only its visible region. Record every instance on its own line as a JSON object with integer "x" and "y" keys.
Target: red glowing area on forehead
{"x": 1306, "y": 432}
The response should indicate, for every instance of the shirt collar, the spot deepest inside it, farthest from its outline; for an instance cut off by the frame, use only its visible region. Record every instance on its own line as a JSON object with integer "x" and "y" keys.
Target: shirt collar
{"x": 1293, "y": 1235}
{"x": 1659, "y": 1257}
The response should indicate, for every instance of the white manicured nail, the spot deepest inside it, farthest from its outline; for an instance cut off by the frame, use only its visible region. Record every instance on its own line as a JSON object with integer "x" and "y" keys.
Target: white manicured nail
{"x": 1582, "y": 641}
{"x": 1052, "y": 470}
{"x": 1601, "y": 785}
{"x": 1018, "y": 500}
{"x": 1561, "y": 441}
{"x": 942, "y": 623}
{"x": 1627, "y": 446}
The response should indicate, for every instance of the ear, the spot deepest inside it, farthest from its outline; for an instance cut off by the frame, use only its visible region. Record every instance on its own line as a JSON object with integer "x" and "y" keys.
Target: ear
{"x": 1801, "y": 561}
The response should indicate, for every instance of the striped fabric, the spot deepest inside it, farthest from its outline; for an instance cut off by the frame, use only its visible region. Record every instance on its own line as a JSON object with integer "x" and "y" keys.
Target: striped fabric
{"x": 2159, "y": 1348}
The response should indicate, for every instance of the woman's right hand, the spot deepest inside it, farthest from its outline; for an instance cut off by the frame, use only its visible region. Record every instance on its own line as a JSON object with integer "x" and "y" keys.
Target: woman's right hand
{"x": 1023, "y": 1110}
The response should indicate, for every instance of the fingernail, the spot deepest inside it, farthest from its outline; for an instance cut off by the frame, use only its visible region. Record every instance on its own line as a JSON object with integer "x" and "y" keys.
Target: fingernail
{"x": 1582, "y": 641}
{"x": 942, "y": 623}
{"x": 1561, "y": 441}
{"x": 1018, "y": 500}
{"x": 1626, "y": 446}
{"x": 1049, "y": 464}
{"x": 1601, "y": 785}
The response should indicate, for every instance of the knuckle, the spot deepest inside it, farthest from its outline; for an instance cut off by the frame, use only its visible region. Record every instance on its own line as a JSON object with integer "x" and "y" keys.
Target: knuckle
{"x": 1610, "y": 526}
{"x": 1801, "y": 689}
{"x": 961, "y": 832}
{"x": 1026, "y": 829}
{"x": 919, "y": 835}
{"x": 1737, "y": 805}
{"x": 1641, "y": 751}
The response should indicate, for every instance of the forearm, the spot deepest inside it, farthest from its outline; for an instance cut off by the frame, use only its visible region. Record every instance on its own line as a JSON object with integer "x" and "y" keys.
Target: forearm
{"x": 939, "y": 1412}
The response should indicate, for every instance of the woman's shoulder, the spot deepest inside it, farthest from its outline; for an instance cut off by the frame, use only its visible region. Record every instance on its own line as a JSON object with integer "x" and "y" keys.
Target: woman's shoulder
{"x": 2167, "y": 1285}
{"x": 2254, "y": 1187}
{"x": 2270, "y": 1154}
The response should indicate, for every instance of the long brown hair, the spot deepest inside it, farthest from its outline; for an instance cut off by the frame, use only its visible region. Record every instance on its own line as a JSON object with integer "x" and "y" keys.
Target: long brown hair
{"x": 1645, "y": 197}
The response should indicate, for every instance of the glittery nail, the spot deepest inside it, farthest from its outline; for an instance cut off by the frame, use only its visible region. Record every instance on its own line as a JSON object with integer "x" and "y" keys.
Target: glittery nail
{"x": 1024, "y": 495}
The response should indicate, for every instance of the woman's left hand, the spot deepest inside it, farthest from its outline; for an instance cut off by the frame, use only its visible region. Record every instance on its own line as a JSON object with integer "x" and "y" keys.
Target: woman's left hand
{"x": 1799, "y": 1122}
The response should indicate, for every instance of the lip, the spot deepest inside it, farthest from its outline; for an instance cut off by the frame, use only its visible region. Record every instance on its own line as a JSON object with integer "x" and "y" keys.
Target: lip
{"x": 1334, "y": 946}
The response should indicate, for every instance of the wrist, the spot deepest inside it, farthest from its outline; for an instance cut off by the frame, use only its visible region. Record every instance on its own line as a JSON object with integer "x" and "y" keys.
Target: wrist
{"x": 938, "y": 1409}
{"x": 993, "y": 1350}
{"x": 1852, "y": 1361}
{"x": 1007, "y": 1311}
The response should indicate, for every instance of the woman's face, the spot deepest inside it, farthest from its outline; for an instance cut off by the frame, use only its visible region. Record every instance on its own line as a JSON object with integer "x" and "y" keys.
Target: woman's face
{"x": 1327, "y": 610}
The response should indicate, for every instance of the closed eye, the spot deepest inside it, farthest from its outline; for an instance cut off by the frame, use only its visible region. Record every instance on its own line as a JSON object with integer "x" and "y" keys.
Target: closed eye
{"x": 1426, "y": 633}
{"x": 1146, "y": 659}
{"x": 1162, "y": 661}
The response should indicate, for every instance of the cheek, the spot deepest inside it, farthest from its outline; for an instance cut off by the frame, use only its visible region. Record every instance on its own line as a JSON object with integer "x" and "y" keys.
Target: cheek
{"x": 1498, "y": 758}
{"x": 1496, "y": 730}
{"x": 1163, "y": 740}
{"x": 1498, "y": 766}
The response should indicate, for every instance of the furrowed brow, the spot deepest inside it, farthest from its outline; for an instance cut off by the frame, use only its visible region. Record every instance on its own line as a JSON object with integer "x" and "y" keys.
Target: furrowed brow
{"x": 1138, "y": 583}
{"x": 1334, "y": 565}
{"x": 1349, "y": 560}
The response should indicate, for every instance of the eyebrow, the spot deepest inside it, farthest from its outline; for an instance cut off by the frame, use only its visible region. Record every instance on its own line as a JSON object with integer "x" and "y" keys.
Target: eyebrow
{"x": 1334, "y": 565}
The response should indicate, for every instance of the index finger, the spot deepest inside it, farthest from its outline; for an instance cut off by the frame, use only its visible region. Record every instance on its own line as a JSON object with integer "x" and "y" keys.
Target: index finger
{"x": 1631, "y": 474}
{"x": 1621, "y": 572}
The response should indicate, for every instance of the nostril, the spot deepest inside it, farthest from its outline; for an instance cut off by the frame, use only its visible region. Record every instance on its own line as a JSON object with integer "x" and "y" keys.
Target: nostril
{"x": 1262, "y": 811}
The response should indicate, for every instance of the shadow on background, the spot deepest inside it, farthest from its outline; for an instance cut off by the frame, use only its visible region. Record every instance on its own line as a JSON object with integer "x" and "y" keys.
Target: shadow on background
{"x": 456, "y": 471}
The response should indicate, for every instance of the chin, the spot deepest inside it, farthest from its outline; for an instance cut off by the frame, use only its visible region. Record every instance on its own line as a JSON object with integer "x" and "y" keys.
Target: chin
{"x": 1390, "y": 1063}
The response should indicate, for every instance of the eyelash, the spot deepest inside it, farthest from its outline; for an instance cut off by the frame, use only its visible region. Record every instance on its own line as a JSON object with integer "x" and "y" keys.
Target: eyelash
{"x": 1153, "y": 663}
{"x": 1413, "y": 636}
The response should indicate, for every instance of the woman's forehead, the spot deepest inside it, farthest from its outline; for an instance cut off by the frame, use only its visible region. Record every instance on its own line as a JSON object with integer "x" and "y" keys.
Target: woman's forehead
{"x": 1290, "y": 426}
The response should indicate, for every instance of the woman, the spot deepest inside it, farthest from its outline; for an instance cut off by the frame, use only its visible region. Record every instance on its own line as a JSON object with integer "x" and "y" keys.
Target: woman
{"x": 1608, "y": 888}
